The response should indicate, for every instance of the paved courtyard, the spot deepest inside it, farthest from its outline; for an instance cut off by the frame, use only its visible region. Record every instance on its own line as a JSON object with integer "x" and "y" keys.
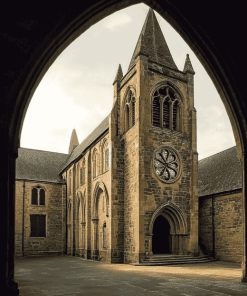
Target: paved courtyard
{"x": 73, "y": 276}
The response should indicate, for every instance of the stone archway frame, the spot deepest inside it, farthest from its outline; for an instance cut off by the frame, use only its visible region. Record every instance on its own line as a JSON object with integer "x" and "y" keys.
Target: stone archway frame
{"x": 99, "y": 186}
{"x": 174, "y": 215}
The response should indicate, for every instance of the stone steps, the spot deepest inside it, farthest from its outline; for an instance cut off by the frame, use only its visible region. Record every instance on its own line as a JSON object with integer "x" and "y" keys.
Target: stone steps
{"x": 160, "y": 260}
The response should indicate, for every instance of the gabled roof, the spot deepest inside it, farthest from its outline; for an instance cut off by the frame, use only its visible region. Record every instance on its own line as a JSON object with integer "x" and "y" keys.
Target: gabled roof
{"x": 79, "y": 150}
{"x": 152, "y": 43}
{"x": 220, "y": 172}
{"x": 38, "y": 165}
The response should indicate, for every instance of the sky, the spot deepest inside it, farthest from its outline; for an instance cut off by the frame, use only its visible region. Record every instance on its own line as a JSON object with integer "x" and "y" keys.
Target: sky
{"x": 77, "y": 91}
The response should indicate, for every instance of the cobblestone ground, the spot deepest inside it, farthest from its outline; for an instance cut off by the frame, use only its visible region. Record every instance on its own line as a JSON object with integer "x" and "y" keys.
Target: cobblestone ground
{"x": 65, "y": 275}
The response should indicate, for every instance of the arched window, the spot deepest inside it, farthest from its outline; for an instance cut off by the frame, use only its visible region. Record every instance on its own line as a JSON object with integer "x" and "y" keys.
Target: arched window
{"x": 70, "y": 183}
{"x": 38, "y": 196}
{"x": 95, "y": 164}
{"x": 105, "y": 156}
{"x": 84, "y": 172}
{"x": 165, "y": 108}
{"x": 77, "y": 176}
{"x": 42, "y": 197}
{"x": 106, "y": 159}
{"x": 34, "y": 199}
{"x": 130, "y": 111}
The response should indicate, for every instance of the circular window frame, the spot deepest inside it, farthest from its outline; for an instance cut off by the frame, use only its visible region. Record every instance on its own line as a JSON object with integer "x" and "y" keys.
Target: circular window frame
{"x": 169, "y": 148}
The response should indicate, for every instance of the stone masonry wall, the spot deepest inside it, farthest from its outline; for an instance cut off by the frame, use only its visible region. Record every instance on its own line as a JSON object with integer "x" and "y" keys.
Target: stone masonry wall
{"x": 153, "y": 192}
{"x": 220, "y": 227}
{"x": 130, "y": 142}
{"x": 54, "y": 242}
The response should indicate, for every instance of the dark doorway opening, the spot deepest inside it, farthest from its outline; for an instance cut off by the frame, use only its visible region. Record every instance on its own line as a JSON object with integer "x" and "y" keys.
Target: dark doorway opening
{"x": 161, "y": 236}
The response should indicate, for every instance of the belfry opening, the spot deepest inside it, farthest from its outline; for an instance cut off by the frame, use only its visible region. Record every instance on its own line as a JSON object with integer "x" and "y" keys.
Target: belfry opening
{"x": 161, "y": 242}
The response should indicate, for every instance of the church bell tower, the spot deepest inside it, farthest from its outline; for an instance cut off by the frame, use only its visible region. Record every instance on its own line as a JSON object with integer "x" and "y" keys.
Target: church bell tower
{"x": 157, "y": 126}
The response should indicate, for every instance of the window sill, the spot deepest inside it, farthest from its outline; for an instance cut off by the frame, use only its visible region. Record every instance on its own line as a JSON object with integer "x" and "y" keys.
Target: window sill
{"x": 167, "y": 130}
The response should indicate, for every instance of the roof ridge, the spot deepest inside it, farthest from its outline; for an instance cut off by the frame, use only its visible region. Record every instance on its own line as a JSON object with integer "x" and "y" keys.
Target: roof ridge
{"x": 217, "y": 153}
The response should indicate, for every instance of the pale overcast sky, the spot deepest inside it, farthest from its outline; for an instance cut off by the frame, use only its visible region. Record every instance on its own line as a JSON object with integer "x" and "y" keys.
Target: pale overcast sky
{"x": 77, "y": 92}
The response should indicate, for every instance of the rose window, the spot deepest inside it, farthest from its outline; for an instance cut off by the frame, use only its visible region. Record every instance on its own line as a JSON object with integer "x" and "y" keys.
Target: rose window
{"x": 166, "y": 164}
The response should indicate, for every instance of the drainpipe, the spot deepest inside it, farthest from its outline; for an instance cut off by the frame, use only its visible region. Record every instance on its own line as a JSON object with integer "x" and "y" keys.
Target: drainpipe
{"x": 23, "y": 208}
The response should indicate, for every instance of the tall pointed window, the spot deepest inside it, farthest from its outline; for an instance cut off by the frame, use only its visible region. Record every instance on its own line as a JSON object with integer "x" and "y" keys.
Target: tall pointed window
{"x": 130, "y": 110}
{"x": 70, "y": 182}
{"x": 165, "y": 108}
{"x": 34, "y": 200}
{"x": 84, "y": 172}
{"x": 95, "y": 164}
{"x": 105, "y": 156}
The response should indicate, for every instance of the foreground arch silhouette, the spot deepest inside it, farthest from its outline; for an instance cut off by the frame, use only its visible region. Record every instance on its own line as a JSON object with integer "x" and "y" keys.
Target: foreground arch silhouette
{"x": 32, "y": 36}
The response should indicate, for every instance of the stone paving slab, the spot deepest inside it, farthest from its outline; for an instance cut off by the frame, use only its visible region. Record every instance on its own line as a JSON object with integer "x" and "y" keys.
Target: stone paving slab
{"x": 73, "y": 276}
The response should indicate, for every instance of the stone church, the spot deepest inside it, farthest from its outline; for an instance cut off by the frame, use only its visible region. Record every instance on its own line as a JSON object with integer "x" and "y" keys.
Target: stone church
{"x": 134, "y": 186}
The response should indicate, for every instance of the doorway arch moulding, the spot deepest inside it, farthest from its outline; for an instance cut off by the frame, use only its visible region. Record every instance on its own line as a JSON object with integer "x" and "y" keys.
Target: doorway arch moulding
{"x": 176, "y": 217}
{"x": 31, "y": 42}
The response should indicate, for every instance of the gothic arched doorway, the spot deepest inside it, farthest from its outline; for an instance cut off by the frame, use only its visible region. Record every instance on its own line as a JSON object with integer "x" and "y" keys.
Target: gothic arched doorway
{"x": 161, "y": 242}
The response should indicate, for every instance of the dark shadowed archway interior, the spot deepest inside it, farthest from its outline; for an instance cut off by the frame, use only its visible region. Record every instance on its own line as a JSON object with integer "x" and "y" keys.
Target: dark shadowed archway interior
{"x": 161, "y": 236}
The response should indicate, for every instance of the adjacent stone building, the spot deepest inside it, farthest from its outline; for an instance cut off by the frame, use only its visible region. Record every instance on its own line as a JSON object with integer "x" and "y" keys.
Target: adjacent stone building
{"x": 130, "y": 189}
{"x": 40, "y": 218}
{"x": 220, "y": 206}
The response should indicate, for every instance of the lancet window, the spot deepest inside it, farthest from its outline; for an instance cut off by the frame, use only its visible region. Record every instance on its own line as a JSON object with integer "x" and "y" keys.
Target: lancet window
{"x": 70, "y": 182}
{"x": 83, "y": 172}
{"x": 38, "y": 196}
{"x": 166, "y": 108}
{"x": 96, "y": 164}
{"x": 130, "y": 111}
{"x": 105, "y": 157}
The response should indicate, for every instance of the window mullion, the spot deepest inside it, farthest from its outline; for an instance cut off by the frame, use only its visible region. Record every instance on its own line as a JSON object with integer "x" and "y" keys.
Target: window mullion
{"x": 178, "y": 118}
{"x": 161, "y": 112}
{"x": 171, "y": 115}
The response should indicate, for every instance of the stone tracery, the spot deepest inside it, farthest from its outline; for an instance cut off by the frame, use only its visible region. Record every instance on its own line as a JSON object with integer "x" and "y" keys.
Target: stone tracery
{"x": 166, "y": 164}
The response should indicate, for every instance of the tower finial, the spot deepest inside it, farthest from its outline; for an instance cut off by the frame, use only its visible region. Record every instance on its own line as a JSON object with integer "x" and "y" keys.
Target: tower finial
{"x": 119, "y": 74}
{"x": 188, "y": 66}
{"x": 152, "y": 43}
{"x": 73, "y": 141}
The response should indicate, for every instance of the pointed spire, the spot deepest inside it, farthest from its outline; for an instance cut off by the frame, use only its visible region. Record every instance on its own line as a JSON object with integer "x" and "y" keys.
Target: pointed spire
{"x": 119, "y": 74}
{"x": 73, "y": 141}
{"x": 188, "y": 66}
{"x": 152, "y": 43}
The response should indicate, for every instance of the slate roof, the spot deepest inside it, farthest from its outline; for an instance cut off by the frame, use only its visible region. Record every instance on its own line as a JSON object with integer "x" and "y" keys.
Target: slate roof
{"x": 220, "y": 172}
{"x": 100, "y": 129}
{"x": 152, "y": 43}
{"x": 38, "y": 165}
